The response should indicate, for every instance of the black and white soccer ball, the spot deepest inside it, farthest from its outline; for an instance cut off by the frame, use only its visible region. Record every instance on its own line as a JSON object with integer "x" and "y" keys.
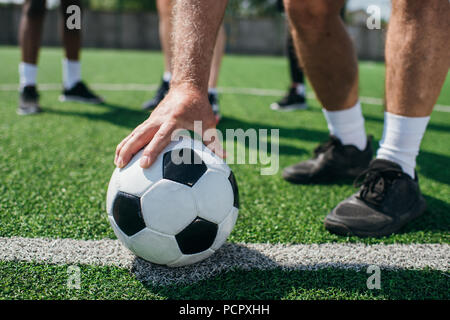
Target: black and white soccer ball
{"x": 177, "y": 212}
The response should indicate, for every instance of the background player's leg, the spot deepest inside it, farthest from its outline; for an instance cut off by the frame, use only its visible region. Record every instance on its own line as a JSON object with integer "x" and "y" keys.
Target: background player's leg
{"x": 219, "y": 51}
{"x": 30, "y": 30}
{"x": 30, "y": 33}
{"x": 74, "y": 87}
{"x": 326, "y": 51}
{"x": 296, "y": 72}
{"x": 417, "y": 62}
{"x": 295, "y": 97}
{"x": 165, "y": 31}
{"x": 328, "y": 57}
{"x": 71, "y": 38}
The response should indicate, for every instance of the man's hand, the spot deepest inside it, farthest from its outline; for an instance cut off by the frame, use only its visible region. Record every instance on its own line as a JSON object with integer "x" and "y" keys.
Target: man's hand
{"x": 195, "y": 25}
{"x": 179, "y": 109}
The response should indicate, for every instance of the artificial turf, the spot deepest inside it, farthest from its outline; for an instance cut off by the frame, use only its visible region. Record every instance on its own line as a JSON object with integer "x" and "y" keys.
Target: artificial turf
{"x": 31, "y": 281}
{"x": 55, "y": 167}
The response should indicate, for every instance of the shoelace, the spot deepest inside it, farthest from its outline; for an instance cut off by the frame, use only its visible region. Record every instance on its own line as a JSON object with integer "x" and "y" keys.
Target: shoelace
{"x": 376, "y": 182}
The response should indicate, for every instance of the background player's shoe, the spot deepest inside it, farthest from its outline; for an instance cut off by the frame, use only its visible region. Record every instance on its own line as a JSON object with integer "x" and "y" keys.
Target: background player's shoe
{"x": 387, "y": 200}
{"x": 214, "y": 101}
{"x": 28, "y": 101}
{"x": 160, "y": 94}
{"x": 292, "y": 101}
{"x": 80, "y": 93}
{"x": 332, "y": 162}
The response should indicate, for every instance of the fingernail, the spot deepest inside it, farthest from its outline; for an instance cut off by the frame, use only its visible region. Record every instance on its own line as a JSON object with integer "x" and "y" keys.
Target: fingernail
{"x": 120, "y": 162}
{"x": 145, "y": 162}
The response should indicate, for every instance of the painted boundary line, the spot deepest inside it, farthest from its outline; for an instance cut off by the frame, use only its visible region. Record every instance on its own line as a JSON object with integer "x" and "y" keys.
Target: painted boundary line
{"x": 226, "y": 90}
{"x": 239, "y": 256}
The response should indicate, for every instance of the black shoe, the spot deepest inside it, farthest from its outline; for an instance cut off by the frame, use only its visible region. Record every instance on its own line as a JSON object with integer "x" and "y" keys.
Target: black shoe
{"x": 160, "y": 94}
{"x": 80, "y": 93}
{"x": 332, "y": 162}
{"x": 292, "y": 101}
{"x": 387, "y": 200}
{"x": 214, "y": 101}
{"x": 29, "y": 101}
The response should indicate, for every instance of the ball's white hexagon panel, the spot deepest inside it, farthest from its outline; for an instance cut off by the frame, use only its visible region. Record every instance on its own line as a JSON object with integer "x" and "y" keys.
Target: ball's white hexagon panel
{"x": 135, "y": 180}
{"x": 214, "y": 196}
{"x": 113, "y": 188}
{"x": 155, "y": 247}
{"x": 213, "y": 161}
{"x": 225, "y": 228}
{"x": 168, "y": 207}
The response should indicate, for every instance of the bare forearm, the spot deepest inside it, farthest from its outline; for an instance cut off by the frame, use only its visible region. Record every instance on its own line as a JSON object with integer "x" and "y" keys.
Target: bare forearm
{"x": 195, "y": 27}
{"x": 196, "y": 24}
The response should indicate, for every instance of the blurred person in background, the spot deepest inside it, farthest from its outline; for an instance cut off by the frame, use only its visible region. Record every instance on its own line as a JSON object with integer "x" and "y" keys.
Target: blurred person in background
{"x": 296, "y": 95}
{"x": 165, "y": 30}
{"x": 30, "y": 33}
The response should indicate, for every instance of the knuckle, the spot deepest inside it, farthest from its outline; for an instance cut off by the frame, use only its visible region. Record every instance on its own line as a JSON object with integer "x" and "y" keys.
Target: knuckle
{"x": 160, "y": 135}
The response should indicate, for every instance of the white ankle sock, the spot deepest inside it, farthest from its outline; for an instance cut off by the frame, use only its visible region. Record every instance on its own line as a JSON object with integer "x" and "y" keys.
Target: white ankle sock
{"x": 348, "y": 126}
{"x": 167, "y": 76}
{"x": 27, "y": 74}
{"x": 212, "y": 91}
{"x": 300, "y": 89}
{"x": 71, "y": 73}
{"x": 401, "y": 140}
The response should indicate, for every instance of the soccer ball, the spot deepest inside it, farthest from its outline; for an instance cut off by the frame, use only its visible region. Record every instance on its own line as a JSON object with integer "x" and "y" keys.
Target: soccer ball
{"x": 177, "y": 212}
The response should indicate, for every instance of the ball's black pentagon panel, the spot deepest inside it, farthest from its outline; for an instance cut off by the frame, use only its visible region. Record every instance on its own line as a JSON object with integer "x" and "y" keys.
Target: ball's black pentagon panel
{"x": 187, "y": 169}
{"x": 233, "y": 182}
{"x": 127, "y": 213}
{"x": 197, "y": 236}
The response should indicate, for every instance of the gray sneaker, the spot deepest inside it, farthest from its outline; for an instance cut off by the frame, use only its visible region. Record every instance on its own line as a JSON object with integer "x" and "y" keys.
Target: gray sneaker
{"x": 28, "y": 101}
{"x": 332, "y": 162}
{"x": 387, "y": 200}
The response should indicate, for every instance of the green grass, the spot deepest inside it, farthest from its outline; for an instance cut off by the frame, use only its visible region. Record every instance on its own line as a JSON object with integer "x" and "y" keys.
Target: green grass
{"x": 30, "y": 281}
{"x": 55, "y": 167}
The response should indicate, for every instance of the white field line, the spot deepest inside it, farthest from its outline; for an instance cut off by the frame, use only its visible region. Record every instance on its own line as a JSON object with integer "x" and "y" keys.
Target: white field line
{"x": 241, "y": 256}
{"x": 226, "y": 90}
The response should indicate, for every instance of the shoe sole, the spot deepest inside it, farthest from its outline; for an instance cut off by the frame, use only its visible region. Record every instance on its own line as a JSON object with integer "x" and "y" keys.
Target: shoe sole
{"x": 64, "y": 98}
{"x": 341, "y": 229}
{"x": 28, "y": 108}
{"x": 23, "y": 113}
{"x": 291, "y": 107}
